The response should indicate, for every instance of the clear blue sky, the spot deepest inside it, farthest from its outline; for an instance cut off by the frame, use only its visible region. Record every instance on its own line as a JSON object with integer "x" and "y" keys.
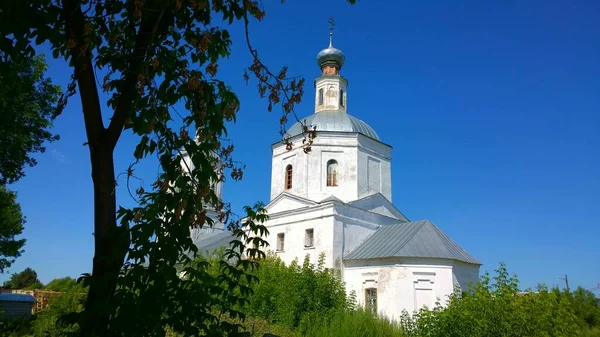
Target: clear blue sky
{"x": 492, "y": 109}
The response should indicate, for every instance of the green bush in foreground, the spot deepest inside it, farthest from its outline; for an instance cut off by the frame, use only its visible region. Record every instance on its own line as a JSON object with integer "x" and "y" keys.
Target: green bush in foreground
{"x": 353, "y": 324}
{"x": 48, "y": 323}
{"x": 496, "y": 308}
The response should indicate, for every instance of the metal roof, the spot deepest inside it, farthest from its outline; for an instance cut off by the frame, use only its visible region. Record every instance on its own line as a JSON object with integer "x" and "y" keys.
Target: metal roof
{"x": 410, "y": 239}
{"x": 334, "y": 120}
{"x": 211, "y": 241}
{"x": 10, "y": 297}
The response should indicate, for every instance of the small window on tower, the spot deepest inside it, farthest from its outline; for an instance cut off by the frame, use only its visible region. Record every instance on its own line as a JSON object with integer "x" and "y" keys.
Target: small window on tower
{"x": 332, "y": 173}
{"x": 288, "y": 177}
{"x": 341, "y": 97}
{"x": 371, "y": 299}
{"x": 309, "y": 238}
{"x": 280, "y": 241}
{"x": 321, "y": 96}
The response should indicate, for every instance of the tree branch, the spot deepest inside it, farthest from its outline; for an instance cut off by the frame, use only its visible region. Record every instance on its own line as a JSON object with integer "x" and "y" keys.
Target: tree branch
{"x": 145, "y": 36}
{"x": 84, "y": 70}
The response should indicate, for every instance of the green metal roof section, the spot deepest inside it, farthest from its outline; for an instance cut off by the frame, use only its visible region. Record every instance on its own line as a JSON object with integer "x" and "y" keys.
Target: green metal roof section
{"x": 410, "y": 239}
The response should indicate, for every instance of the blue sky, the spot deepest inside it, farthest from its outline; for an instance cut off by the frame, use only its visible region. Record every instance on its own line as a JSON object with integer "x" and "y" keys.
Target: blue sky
{"x": 492, "y": 109}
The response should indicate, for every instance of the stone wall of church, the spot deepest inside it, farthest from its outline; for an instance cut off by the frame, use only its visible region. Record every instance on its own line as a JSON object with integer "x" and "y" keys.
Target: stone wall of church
{"x": 310, "y": 170}
{"x": 374, "y": 168}
{"x": 294, "y": 226}
{"x": 402, "y": 284}
{"x": 363, "y": 168}
{"x": 465, "y": 274}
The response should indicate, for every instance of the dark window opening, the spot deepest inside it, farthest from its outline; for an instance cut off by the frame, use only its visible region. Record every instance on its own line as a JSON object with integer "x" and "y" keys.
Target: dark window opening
{"x": 321, "y": 96}
{"x": 288, "y": 177}
{"x": 280, "y": 241}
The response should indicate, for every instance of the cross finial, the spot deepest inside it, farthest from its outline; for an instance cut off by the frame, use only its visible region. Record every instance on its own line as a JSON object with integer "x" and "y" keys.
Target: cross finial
{"x": 331, "y": 24}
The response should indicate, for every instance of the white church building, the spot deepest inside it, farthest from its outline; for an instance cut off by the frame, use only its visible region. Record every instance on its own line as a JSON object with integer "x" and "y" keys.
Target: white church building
{"x": 337, "y": 200}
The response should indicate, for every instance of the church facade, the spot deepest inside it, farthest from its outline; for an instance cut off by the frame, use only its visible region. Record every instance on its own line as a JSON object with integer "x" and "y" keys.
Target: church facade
{"x": 337, "y": 200}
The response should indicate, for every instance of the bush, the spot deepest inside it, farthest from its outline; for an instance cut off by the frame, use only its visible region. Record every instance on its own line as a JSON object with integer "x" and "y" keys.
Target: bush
{"x": 61, "y": 284}
{"x": 496, "y": 308}
{"x": 357, "y": 323}
{"x": 294, "y": 296}
{"x": 48, "y": 323}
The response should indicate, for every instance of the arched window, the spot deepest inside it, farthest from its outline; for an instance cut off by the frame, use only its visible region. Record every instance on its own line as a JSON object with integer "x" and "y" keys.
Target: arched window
{"x": 332, "y": 173}
{"x": 288, "y": 177}
{"x": 341, "y": 97}
{"x": 321, "y": 96}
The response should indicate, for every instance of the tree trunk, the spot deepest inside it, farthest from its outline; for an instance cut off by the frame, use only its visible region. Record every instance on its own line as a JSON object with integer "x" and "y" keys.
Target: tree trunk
{"x": 108, "y": 257}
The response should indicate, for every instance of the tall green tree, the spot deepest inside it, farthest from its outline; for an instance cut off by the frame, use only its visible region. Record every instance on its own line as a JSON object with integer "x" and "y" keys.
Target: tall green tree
{"x": 150, "y": 57}
{"x": 28, "y": 101}
{"x": 11, "y": 225}
{"x": 25, "y": 279}
{"x": 28, "y": 104}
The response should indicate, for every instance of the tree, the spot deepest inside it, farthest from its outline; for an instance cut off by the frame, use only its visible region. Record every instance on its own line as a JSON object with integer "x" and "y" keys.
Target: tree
{"x": 61, "y": 284}
{"x": 151, "y": 57}
{"x": 11, "y": 225}
{"x": 25, "y": 279}
{"x": 28, "y": 102}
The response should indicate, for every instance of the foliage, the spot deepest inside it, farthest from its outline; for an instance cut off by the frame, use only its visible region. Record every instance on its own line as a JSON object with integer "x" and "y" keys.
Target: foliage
{"x": 15, "y": 328}
{"x": 353, "y": 324}
{"x": 23, "y": 280}
{"x": 494, "y": 307}
{"x": 62, "y": 284}
{"x": 28, "y": 101}
{"x": 11, "y": 225}
{"x": 585, "y": 305}
{"x": 151, "y": 56}
{"x": 317, "y": 292}
{"x": 49, "y": 323}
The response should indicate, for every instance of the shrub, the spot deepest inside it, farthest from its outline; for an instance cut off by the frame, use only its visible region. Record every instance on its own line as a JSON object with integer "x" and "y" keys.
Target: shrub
{"x": 295, "y": 295}
{"x": 494, "y": 307}
{"x": 358, "y": 323}
{"x": 48, "y": 323}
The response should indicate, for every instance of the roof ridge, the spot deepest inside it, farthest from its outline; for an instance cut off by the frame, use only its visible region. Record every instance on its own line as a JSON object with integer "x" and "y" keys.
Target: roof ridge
{"x": 455, "y": 246}
{"x": 417, "y": 229}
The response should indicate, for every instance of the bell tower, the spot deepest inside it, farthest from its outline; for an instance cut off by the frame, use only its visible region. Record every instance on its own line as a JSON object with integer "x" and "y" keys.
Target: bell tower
{"x": 330, "y": 86}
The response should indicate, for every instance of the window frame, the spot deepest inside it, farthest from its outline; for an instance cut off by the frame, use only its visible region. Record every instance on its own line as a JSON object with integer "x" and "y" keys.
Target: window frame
{"x": 342, "y": 97}
{"x": 288, "y": 177}
{"x": 370, "y": 300}
{"x": 332, "y": 177}
{"x": 280, "y": 242}
{"x": 321, "y": 97}
{"x": 309, "y": 240}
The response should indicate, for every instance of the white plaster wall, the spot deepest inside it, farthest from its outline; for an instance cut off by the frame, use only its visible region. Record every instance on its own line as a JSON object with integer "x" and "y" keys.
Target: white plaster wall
{"x": 466, "y": 274}
{"x": 295, "y": 157}
{"x": 331, "y": 86}
{"x": 294, "y": 227}
{"x": 379, "y": 152}
{"x": 396, "y": 280}
{"x": 338, "y": 229}
{"x": 310, "y": 170}
{"x": 352, "y": 152}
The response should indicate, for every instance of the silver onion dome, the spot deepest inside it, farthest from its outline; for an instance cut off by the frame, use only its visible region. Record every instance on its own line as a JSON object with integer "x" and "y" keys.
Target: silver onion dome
{"x": 331, "y": 55}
